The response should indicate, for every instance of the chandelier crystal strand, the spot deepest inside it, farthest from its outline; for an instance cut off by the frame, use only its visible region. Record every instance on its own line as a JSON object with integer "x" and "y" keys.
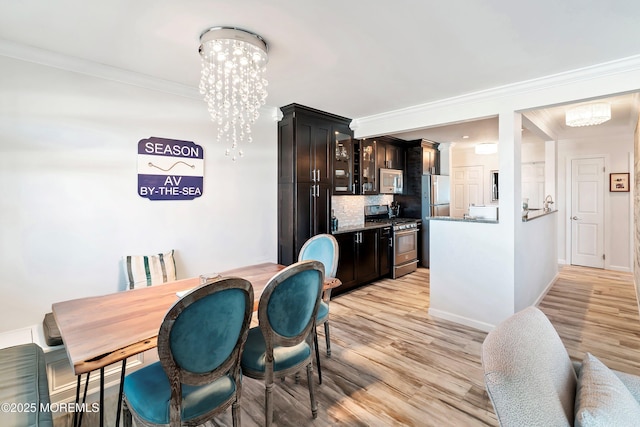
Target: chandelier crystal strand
{"x": 233, "y": 84}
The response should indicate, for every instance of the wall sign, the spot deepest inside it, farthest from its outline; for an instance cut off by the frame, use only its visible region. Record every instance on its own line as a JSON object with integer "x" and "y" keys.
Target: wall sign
{"x": 170, "y": 169}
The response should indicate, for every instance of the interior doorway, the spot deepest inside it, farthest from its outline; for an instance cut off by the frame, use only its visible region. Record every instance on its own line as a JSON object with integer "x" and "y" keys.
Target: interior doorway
{"x": 467, "y": 189}
{"x": 587, "y": 212}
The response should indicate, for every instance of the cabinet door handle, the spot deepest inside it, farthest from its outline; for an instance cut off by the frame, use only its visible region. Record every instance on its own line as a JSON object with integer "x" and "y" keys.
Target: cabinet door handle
{"x": 313, "y": 175}
{"x": 318, "y": 177}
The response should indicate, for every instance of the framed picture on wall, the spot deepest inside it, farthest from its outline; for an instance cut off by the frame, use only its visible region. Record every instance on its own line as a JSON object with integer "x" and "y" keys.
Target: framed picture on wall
{"x": 618, "y": 182}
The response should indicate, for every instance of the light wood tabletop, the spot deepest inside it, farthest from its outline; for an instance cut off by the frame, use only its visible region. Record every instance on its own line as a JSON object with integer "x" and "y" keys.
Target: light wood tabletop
{"x": 98, "y": 331}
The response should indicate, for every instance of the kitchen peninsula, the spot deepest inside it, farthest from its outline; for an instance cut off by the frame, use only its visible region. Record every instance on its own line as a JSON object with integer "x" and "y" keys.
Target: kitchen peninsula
{"x": 478, "y": 275}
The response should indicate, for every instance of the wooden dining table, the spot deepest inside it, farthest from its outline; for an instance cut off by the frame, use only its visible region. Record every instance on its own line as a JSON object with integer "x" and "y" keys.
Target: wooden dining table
{"x": 101, "y": 330}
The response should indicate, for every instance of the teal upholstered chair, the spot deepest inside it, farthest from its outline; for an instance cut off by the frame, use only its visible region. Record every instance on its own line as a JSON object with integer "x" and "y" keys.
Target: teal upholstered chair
{"x": 282, "y": 343}
{"x": 199, "y": 345}
{"x": 323, "y": 248}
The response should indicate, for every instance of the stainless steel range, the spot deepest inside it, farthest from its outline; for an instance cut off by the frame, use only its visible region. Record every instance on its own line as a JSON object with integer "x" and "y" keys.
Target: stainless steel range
{"x": 404, "y": 238}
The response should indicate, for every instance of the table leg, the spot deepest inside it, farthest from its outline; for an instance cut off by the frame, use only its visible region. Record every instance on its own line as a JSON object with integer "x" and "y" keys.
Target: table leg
{"x": 124, "y": 365}
{"x": 84, "y": 399}
{"x": 101, "y": 397}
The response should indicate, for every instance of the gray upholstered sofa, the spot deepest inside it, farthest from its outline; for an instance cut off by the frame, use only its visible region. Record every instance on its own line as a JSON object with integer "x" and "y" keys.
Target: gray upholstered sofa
{"x": 24, "y": 389}
{"x": 532, "y": 381}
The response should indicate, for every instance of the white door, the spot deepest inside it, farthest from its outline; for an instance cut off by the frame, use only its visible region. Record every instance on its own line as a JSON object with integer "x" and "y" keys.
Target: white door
{"x": 533, "y": 184}
{"x": 466, "y": 189}
{"x": 587, "y": 212}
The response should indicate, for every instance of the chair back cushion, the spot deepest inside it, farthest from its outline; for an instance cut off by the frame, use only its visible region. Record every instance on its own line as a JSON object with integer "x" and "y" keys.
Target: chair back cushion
{"x": 528, "y": 373}
{"x": 147, "y": 270}
{"x": 323, "y": 248}
{"x": 292, "y": 303}
{"x": 289, "y": 304}
{"x": 205, "y": 330}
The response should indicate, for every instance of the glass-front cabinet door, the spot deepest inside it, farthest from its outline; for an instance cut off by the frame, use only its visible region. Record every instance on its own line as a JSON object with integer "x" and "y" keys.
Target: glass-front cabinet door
{"x": 368, "y": 166}
{"x": 343, "y": 164}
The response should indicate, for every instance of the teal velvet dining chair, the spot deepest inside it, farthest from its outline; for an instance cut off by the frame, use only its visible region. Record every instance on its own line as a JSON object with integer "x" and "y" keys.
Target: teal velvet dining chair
{"x": 200, "y": 343}
{"x": 323, "y": 248}
{"x": 282, "y": 342}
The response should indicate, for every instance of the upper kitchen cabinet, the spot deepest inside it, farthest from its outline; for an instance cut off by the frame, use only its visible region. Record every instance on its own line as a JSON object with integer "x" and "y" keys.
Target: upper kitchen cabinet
{"x": 368, "y": 166}
{"x": 423, "y": 158}
{"x": 344, "y": 167}
{"x": 389, "y": 153}
{"x": 305, "y": 176}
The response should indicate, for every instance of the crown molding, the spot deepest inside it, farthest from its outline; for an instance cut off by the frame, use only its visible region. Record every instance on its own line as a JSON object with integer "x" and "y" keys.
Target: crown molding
{"x": 95, "y": 69}
{"x": 581, "y": 75}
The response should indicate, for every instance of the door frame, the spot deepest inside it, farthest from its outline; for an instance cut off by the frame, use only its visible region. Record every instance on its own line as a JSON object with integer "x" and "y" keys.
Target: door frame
{"x": 568, "y": 201}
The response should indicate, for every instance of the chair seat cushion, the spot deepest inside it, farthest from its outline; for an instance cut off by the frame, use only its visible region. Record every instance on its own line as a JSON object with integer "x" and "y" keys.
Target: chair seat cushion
{"x": 148, "y": 394}
{"x": 323, "y": 312}
{"x": 253, "y": 355}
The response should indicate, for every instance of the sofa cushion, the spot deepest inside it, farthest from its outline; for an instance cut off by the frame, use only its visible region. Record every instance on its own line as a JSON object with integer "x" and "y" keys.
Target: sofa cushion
{"x": 602, "y": 399}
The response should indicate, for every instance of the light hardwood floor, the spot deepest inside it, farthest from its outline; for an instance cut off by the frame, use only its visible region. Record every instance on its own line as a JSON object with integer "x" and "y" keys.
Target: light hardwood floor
{"x": 394, "y": 365}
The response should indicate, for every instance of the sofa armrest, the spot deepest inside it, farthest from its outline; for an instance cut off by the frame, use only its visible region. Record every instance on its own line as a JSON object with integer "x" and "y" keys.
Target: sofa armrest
{"x": 631, "y": 381}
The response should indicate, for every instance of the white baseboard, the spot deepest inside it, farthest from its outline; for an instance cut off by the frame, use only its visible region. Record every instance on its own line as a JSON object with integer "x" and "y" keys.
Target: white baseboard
{"x": 546, "y": 289}
{"x": 618, "y": 268}
{"x": 562, "y": 261}
{"x": 476, "y": 324}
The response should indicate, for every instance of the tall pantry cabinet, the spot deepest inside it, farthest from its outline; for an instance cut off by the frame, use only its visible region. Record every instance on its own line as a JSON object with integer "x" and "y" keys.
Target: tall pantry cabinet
{"x": 305, "y": 154}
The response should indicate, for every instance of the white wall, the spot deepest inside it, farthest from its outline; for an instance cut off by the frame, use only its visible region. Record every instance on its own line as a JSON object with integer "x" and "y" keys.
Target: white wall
{"x": 617, "y": 150}
{"x": 70, "y": 210}
{"x": 536, "y": 260}
{"x": 471, "y": 273}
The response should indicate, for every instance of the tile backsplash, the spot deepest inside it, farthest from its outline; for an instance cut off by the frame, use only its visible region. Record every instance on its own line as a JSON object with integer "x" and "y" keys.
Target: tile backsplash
{"x": 350, "y": 209}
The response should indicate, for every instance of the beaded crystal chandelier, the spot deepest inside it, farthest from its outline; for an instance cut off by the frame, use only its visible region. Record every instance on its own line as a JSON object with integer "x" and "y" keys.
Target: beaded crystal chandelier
{"x": 232, "y": 82}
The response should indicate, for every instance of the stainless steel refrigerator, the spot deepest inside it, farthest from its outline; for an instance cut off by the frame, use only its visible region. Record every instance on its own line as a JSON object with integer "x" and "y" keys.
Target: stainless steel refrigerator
{"x": 436, "y": 192}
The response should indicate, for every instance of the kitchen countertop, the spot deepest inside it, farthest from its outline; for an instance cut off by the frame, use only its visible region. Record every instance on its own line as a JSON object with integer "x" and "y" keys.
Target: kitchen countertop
{"x": 364, "y": 226}
{"x": 537, "y": 213}
{"x": 459, "y": 219}
{"x": 533, "y": 214}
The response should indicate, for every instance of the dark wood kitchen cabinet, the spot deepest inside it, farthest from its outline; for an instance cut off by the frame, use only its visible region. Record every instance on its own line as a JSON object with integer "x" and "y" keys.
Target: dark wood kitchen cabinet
{"x": 368, "y": 167}
{"x": 305, "y": 175}
{"x": 385, "y": 252}
{"x": 345, "y": 166}
{"x": 389, "y": 153}
{"x": 359, "y": 258}
{"x": 423, "y": 158}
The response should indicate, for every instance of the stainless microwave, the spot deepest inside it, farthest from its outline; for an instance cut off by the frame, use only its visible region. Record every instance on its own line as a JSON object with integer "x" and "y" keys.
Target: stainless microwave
{"x": 390, "y": 181}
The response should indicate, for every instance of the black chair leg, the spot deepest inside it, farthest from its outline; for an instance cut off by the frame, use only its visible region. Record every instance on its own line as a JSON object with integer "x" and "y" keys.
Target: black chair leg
{"x": 315, "y": 344}
{"x": 327, "y": 338}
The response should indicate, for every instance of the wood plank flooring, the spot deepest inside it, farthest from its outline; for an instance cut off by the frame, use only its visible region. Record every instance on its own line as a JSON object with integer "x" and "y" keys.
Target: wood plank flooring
{"x": 394, "y": 365}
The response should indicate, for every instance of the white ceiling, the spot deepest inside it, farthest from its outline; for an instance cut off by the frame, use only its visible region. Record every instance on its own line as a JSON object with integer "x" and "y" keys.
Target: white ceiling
{"x": 353, "y": 58}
